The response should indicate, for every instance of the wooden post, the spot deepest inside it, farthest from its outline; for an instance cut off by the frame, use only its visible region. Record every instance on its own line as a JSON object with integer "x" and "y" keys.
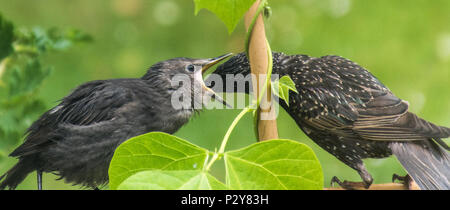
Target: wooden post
{"x": 267, "y": 129}
{"x": 387, "y": 186}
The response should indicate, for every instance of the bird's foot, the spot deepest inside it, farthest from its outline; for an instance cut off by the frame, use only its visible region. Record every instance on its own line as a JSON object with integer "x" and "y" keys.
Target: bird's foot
{"x": 405, "y": 180}
{"x": 348, "y": 185}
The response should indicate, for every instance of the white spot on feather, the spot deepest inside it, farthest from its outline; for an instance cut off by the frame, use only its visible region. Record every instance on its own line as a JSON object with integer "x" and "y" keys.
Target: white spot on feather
{"x": 57, "y": 108}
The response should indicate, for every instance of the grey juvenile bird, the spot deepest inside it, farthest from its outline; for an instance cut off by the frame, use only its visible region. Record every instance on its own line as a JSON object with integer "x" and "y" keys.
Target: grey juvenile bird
{"x": 348, "y": 112}
{"x": 77, "y": 138}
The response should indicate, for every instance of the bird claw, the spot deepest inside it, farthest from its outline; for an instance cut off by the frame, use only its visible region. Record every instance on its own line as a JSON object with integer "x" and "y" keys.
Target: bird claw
{"x": 348, "y": 185}
{"x": 335, "y": 180}
{"x": 406, "y": 180}
{"x": 396, "y": 177}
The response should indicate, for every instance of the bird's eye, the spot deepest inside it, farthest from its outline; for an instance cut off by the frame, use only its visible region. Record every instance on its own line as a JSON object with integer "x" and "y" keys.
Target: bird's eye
{"x": 190, "y": 68}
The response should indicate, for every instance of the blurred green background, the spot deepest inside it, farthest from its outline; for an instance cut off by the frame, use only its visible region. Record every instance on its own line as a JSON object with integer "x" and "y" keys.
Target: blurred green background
{"x": 406, "y": 44}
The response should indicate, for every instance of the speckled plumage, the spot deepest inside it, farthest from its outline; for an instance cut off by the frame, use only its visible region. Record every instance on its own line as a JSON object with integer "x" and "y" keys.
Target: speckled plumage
{"x": 348, "y": 112}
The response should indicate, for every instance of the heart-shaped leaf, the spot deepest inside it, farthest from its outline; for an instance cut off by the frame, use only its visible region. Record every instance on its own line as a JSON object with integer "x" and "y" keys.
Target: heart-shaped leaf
{"x": 151, "y": 151}
{"x": 171, "y": 180}
{"x": 229, "y": 11}
{"x": 273, "y": 165}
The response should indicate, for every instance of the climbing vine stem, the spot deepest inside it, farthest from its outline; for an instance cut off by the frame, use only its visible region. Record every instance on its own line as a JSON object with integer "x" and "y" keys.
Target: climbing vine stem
{"x": 254, "y": 105}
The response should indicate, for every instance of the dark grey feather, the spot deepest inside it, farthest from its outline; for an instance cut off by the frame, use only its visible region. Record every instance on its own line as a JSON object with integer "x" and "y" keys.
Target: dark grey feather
{"x": 425, "y": 162}
{"x": 77, "y": 138}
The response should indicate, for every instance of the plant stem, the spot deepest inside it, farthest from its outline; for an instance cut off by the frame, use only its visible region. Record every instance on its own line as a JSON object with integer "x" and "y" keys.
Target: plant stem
{"x": 226, "y": 137}
{"x": 269, "y": 74}
{"x": 248, "y": 108}
{"x": 252, "y": 24}
{"x": 260, "y": 57}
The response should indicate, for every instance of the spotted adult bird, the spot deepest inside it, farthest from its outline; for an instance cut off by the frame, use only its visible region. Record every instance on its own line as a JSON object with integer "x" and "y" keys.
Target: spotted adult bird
{"x": 349, "y": 113}
{"x": 77, "y": 138}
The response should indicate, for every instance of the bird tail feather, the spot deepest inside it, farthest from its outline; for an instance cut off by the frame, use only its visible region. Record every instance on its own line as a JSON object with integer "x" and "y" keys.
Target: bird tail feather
{"x": 426, "y": 162}
{"x": 16, "y": 174}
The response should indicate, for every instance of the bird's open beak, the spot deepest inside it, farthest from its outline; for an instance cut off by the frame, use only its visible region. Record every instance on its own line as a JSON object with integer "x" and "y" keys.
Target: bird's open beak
{"x": 206, "y": 66}
{"x": 214, "y": 61}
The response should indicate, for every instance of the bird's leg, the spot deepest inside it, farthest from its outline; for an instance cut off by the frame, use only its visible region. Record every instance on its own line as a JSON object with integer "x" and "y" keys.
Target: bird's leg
{"x": 405, "y": 180}
{"x": 348, "y": 185}
{"x": 39, "y": 179}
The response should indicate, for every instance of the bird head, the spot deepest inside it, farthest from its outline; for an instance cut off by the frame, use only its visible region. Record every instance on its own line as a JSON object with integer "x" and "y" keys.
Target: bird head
{"x": 183, "y": 77}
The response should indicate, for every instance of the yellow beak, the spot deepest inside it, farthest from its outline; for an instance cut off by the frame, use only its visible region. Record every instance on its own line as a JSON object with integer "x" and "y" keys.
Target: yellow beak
{"x": 214, "y": 61}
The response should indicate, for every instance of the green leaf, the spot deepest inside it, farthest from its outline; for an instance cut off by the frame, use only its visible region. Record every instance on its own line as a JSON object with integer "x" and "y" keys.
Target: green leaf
{"x": 26, "y": 80}
{"x": 171, "y": 180}
{"x": 287, "y": 82}
{"x": 151, "y": 151}
{"x": 61, "y": 40}
{"x": 76, "y": 35}
{"x": 21, "y": 75}
{"x": 229, "y": 11}
{"x": 273, "y": 165}
{"x": 282, "y": 86}
{"x": 6, "y": 37}
{"x": 40, "y": 40}
{"x": 8, "y": 122}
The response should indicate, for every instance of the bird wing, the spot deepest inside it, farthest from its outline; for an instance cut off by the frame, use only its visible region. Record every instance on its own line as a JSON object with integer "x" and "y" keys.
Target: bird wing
{"x": 380, "y": 120}
{"x": 90, "y": 103}
{"x": 340, "y": 96}
{"x": 387, "y": 118}
{"x": 384, "y": 118}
